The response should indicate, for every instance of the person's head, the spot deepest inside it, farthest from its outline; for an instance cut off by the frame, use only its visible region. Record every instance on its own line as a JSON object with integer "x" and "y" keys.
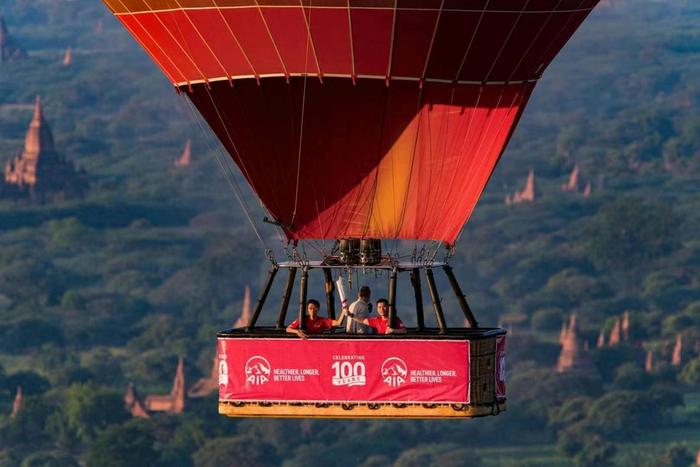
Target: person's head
{"x": 312, "y": 307}
{"x": 365, "y": 293}
{"x": 383, "y": 307}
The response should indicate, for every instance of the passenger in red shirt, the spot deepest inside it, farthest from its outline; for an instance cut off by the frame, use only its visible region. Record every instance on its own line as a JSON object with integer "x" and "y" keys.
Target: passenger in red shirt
{"x": 381, "y": 322}
{"x": 314, "y": 324}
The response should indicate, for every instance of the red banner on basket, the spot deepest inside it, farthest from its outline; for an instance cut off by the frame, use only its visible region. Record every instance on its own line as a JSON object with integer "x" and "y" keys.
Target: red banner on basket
{"x": 343, "y": 370}
{"x": 501, "y": 367}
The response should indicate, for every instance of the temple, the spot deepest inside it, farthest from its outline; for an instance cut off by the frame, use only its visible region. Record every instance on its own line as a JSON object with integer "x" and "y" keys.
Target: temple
{"x": 18, "y": 403}
{"x": 9, "y": 50}
{"x": 615, "y": 334}
{"x": 68, "y": 57}
{"x": 649, "y": 362}
{"x": 39, "y": 171}
{"x": 677, "y": 356}
{"x": 621, "y": 332}
{"x": 175, "y": 401}
{"x": 205, "y": 386}
{"x": 172, "y": 403}
{"x": 527, "y": 195}
{"x": 587, "y": 190}
{"x": 242, "y": 320}
{"x": 573, "y": 356}
{"x": 572, "y": 184}
{"x": 186, "y": 158}
{"x": 133, "y": 403}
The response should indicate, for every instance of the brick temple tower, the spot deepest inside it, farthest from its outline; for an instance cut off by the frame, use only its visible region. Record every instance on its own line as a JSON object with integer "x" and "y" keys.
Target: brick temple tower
{"x": 527, "y": 195}
{"x": 573, "y": 356}
{"x": 18, "y": 403}
{"x": 39, "y": 170}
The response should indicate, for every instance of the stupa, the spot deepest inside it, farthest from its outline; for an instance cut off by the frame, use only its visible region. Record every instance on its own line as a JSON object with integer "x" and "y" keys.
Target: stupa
{"x": 39, "y": 170}
{"x": 573, "y": 356}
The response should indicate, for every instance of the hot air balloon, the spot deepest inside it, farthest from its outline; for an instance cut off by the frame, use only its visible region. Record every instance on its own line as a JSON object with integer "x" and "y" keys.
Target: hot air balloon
{"x": 357, "y": 121}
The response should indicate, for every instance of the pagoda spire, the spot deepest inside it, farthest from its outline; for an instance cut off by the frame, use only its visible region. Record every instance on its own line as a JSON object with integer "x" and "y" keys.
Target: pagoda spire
{"x": 601, "y": 339}
{"x": 178, "y": 391}
{"x": 133, "y": 403}
{"x": 39, "y": 169}
{"x": 677, "y": 357}
{"x": 573, "y": 356}
{"x": 529, "y": 193}
{"x": 615, "y": 333}
{"x": 242, "y": 321}
{"x": 68, "y": 57}
{"x": 649, "y": 362}
{"x": 18, "y": 402}
{"x": 587, "y": 191}
{"x": 625, "y": 326}
{"x": 186, "y": 158}
{"x": 572, "y": 184}
{"x": 205, "y": 386}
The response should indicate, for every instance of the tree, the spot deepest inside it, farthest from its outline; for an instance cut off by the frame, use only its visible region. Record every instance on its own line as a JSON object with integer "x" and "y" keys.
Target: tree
{"x": 621, "y": 415}
{"x": 608, "y": 359}
{"x": 125, "y": 445}
{"x": 437, "y": 455}
{"x": 547, "y": 319}
{"x": 572, "y": 411}
{"x": 631, "y": 376}
{"x": 677, "y": 455}
{"x": 49, "y": 459}
{"x": 628, "y": 231}
{"x": 238, "y": 451}
{"x": 691, "y": 372}
{"x": 596, "y": 452}
{"x": 31, "y": 382}
{"x": 90, "y": 409}
{"x": 27, "y": 428}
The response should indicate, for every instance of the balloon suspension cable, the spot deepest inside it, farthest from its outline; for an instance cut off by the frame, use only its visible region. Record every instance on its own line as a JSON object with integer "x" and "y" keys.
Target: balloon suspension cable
{"x": 450, "y": 250}
{"x": 230, "y": 177}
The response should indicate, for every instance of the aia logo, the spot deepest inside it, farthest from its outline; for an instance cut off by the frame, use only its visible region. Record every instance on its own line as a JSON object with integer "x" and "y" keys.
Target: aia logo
{"x": 257, "y": 370}
{"x": 394, "y": 371}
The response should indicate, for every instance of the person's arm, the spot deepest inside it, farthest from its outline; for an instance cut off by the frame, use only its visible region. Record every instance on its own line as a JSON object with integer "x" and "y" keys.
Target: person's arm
{"x": 292, "y": 329}
{"x": 399, "y": 329}
{"x": 339, "y": 320}
{"x": 358, "y": 320}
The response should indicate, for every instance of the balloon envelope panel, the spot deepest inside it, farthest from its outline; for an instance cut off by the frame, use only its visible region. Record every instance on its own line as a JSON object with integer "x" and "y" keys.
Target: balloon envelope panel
{"x": 359, "y": 118}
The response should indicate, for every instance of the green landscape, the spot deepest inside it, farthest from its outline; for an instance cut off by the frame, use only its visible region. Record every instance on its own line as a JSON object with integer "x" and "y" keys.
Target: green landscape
{"x": 113, "y": 287}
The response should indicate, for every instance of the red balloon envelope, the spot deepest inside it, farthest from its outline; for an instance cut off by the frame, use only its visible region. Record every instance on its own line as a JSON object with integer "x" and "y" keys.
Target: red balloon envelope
{"x": 359, "y": 118}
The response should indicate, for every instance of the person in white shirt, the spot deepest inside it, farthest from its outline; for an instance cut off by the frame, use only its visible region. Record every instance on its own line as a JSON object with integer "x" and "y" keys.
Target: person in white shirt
{"x": 358, "y": 312}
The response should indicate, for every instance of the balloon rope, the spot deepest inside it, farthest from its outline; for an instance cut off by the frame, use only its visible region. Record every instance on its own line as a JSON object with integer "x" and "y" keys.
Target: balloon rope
{"x": 561, "y": 31}
{"x": 471, "y": 41}
{"x": 532, "y": 42}
{"x": 352, "y": 48}
{"x": 272, "y": 39}
{"x": 421, "y": 116}
{"x": 524, "y": 92}
{"x": 391, "y": 44}
{"x": 235, "y": 39}
{"x": 505, "y": 42}
{"x": 189, "y": 57}
{"x": 303, "y": 110}
{"x": 476, "y": 154}
{"x": 228, "y": 172}
{"x": 432, "y": 40}
{"x": 503, "y": 125}
{"x": 201, "y": 37}
{"x": 148, "y": 33}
